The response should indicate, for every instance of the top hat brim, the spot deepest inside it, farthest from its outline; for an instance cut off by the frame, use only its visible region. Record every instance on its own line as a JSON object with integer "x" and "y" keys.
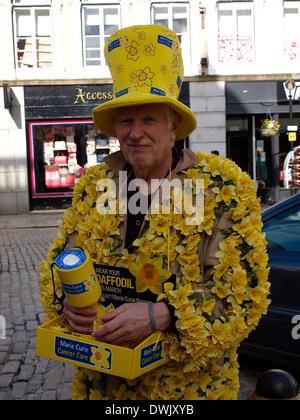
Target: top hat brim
{"x": 103, "y": 115}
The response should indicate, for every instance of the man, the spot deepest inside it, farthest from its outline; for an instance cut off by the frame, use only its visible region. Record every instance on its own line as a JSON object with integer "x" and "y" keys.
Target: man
{"x": 218, "y": 289}
{"x": 146, "y": 134}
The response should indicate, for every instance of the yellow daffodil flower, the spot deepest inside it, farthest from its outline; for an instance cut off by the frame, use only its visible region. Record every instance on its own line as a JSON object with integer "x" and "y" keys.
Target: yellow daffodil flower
{"x": 149, "y": 274}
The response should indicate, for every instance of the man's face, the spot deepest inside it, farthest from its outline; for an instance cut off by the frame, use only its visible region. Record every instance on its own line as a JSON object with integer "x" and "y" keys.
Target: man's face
{"x": 146, "y": 135}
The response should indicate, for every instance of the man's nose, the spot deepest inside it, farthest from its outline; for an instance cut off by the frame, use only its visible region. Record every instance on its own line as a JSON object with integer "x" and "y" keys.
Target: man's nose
{"x": 136, "y": 130}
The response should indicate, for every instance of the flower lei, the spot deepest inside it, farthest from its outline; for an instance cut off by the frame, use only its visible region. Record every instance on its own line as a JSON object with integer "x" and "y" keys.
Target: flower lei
{"x": 206, "y": 331}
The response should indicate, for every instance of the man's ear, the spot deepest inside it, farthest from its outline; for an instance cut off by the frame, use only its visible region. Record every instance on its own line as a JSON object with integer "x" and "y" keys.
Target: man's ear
{"x": 175, "y": 125}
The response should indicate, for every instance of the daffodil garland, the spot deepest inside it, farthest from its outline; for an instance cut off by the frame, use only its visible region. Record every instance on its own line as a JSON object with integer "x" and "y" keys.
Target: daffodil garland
{"x": 214, "y": 315}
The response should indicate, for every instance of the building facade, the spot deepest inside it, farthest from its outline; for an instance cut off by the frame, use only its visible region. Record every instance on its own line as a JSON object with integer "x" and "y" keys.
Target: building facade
{"x": 238, "y": 56}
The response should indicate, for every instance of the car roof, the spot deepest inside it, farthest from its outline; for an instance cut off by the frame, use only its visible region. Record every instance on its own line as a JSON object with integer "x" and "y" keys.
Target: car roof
{"x": 279, "y": 207}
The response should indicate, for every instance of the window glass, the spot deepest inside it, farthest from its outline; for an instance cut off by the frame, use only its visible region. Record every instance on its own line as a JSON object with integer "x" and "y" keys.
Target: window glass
{"x": 99, "y": 22}
{"x": 60, "y": 152}
{"x": 33, "y": 37}
{"x": 283, "y": 231}
{"x": 236, "y": 33}
{"x": 291, "y": 32}
{"x": 176, "y": 17}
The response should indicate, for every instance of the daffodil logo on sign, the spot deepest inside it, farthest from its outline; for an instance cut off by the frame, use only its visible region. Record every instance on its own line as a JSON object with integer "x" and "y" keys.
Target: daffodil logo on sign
{"x": 90, "y": 283}
{"x": 149, "y": 274}
{"x": 101, "y": 357}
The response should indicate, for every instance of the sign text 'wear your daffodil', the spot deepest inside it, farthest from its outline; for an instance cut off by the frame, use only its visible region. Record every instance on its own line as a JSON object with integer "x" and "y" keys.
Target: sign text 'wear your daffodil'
{"x": 141, "y": 283}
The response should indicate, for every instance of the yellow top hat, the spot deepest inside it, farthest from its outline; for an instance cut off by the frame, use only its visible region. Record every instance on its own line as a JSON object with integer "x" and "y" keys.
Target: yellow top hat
{"x": 147, "y": 67}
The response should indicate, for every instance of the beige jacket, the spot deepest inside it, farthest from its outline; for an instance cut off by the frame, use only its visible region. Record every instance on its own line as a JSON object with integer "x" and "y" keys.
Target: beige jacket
{"x": 209, "y": 245}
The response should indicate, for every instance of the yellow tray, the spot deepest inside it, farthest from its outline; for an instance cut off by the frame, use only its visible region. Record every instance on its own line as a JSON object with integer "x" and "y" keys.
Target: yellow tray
{"x": 81, "y": 350}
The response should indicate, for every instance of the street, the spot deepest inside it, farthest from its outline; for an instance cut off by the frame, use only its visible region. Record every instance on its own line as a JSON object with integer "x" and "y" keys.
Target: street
{"x": 23, "y": 375}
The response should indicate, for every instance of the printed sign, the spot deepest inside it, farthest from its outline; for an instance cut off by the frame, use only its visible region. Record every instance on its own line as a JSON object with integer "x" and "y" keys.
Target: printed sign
{"x": 80, "y": 288}
{"x": 91, "y": 355}
{"x": 152, "y": 354}
{"x": 119, "y": 286}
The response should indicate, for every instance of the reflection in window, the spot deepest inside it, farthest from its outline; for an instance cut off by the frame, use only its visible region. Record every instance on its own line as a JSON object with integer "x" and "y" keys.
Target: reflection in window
{"x": 283, "y": 231}
{"x": 99, "y": 22}
{"x": 33, "y": 37}
{"x": 176, "y": 17}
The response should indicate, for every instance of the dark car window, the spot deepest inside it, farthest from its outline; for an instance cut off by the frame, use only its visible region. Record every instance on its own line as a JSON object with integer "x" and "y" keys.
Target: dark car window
{"x": 283, "y": 231}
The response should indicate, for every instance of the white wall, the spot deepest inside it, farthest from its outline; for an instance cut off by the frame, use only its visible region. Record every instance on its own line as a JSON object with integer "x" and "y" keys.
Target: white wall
{"x": 207, "y": 100}
{"x": 13, "y": 161}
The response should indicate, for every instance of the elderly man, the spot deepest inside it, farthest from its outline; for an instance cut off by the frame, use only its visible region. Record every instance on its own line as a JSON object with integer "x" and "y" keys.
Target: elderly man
{"x": 146, "y": 134}
{"x": 204, "y": 284}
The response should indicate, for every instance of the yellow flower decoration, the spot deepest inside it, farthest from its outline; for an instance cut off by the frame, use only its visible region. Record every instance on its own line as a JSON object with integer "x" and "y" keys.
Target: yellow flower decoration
{"x": 100, "y": 357}
{"x": 149, "y": 274}
{"x": 142, "y": 77}
{"x": 164, "y": 69}
{"x": 216, "y": 303}
{"x": 133, "y": 51}
{"x": 176, "y": 63}
{"x": 149, "y": 50}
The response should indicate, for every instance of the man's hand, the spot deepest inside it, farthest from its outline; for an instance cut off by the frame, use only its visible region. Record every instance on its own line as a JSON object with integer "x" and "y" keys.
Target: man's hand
{"x": 126, "y": 326}
{"x": 80, "y": 320}
{"x": 130, "y": 324}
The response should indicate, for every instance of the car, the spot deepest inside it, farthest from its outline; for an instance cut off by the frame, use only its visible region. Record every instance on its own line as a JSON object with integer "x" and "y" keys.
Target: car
{"x": 277, "y": 338}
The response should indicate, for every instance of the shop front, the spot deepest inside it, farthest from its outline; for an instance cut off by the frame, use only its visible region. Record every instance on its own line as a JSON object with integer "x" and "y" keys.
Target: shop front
{"x": 269, "y": 157}
{"x": 62, "y": 140}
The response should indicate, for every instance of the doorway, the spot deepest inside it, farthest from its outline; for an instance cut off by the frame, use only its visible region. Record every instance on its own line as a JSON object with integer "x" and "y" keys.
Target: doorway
{"x": 239, "y": 142}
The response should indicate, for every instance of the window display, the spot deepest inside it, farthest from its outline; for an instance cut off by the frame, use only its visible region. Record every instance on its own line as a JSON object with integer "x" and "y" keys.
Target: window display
{"x": 236, "y": 32}
{"x": 292, "y": 166}
{"x": 60, "y": 153}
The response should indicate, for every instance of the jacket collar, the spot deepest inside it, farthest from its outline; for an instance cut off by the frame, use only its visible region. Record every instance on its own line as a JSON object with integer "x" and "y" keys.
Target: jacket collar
{"x": 117, "y": 162}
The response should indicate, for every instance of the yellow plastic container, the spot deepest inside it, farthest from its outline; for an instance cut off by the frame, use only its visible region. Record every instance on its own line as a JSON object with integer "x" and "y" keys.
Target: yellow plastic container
{"x": 81, "y": 350}
{"x": 78, "y": 279}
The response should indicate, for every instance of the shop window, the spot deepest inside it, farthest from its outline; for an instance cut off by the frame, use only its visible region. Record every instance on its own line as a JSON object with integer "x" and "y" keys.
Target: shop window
{"x": 33, "y": 36}
{"x": 236, "y": 32}
{"x": 60, "y": 152}
{"x": 175, "y": 16}
{"x": 98, "y": 22}
{"x": 291, "y": 30}
{"x": 239, "y": 141}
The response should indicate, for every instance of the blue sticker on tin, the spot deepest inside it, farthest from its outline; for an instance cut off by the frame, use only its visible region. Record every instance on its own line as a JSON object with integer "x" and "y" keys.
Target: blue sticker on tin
{"x": 150, "y": 356}
{"x": 68, "y": 260}
{"x": 80, "y": 288}
{"x": 93, "y": 355}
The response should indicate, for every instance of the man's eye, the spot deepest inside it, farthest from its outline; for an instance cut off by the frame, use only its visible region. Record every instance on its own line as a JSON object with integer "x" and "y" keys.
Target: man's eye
{"x": 149, "y": 120}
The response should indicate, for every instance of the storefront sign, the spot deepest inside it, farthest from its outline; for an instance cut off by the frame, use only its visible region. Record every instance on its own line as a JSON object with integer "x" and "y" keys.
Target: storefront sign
{"x": 86, "y": 97}
{"x": 292, "y": 89}
{"x": 70, "y": 101}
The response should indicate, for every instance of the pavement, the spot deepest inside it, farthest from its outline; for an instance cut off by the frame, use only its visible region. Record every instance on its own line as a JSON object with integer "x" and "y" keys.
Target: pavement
{"x": 24, "y": 243}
